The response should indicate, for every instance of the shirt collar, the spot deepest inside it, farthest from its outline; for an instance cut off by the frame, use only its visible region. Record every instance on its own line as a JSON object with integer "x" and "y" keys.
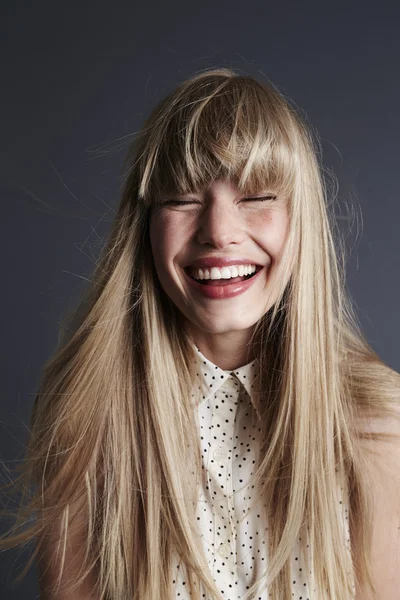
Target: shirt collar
{"x": 210, "y": 377}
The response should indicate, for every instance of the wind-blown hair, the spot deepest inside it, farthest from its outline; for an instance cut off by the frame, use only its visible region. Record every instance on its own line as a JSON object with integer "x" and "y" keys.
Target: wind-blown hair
{"x": 113, "y": 435}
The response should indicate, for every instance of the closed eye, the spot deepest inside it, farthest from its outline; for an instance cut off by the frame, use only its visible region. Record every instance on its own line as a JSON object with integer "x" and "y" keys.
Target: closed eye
{"x": 260, "y": 198}
{"x": 173, "y": 202}
{"x": 179, "y": 202}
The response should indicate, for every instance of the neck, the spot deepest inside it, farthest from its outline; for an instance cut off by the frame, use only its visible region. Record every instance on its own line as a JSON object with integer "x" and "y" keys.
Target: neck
{"x": 228, "y": 350}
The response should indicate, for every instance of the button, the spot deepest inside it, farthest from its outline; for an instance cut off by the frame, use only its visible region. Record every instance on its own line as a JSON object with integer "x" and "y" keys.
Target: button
{"x": 224, "y": 550}
{"x": 219, "y": 454}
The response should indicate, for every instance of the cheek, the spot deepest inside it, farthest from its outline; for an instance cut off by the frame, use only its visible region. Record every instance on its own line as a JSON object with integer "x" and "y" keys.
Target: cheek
{"x": 273, "y": 231}
{"x": 162, "y": 241}
{"x": 282, "y": 232}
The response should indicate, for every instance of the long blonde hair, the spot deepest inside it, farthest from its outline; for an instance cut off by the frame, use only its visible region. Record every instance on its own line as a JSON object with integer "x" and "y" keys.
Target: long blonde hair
{"x": 112, "y": 426}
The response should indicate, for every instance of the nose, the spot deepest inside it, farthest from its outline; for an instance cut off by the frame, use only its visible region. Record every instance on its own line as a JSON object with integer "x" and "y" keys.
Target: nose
{"x": 220, "y": 225}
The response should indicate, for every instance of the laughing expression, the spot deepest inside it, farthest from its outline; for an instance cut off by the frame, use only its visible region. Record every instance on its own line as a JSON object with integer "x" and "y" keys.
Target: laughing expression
{"x": 200, "y": 242}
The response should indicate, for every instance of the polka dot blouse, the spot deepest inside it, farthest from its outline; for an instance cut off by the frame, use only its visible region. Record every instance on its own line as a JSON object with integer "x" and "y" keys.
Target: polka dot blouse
{"x": 229, "y": 514}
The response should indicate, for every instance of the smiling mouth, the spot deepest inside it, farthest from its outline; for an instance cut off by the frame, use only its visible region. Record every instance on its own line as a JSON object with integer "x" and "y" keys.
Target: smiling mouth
{"x": 224, "y": 281}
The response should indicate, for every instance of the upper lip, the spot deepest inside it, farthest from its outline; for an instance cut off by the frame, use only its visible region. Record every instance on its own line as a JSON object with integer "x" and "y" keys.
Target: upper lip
{"x": 215, "y": 261}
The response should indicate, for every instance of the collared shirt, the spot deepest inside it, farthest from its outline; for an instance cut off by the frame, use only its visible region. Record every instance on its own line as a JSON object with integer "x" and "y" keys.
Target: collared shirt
{"x": 229, "y": 518}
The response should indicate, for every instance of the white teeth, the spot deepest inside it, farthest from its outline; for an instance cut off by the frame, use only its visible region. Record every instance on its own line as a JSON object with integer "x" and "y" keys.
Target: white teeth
{"x": 224, "y": 272}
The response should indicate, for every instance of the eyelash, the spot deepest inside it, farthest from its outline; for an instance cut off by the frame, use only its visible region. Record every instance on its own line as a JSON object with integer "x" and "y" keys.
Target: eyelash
{"x": 182, "y": 202}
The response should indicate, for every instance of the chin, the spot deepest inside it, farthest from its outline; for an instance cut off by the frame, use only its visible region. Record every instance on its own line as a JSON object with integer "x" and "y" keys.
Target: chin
{"x": 214, "y": 327}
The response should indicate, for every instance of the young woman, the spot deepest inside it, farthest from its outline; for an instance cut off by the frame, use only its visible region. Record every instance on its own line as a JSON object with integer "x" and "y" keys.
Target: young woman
{"x": 213, "y": 423}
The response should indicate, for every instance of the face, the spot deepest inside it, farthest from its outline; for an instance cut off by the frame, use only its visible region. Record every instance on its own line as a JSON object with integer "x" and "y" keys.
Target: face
{"x": 217, "y": 227}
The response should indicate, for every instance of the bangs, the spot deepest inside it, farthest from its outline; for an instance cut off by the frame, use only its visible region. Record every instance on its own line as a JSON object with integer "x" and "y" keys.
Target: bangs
{"x": 219, "y": 127}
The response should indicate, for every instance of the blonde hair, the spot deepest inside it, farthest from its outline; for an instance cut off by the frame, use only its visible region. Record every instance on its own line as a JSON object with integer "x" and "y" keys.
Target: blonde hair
{"x": 112, "y": 426}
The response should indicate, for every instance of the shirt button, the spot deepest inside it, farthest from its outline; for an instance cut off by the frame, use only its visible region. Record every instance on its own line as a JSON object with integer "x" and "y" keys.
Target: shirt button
{"x": 219, "y": 454}
{"x": 224, "y": 550}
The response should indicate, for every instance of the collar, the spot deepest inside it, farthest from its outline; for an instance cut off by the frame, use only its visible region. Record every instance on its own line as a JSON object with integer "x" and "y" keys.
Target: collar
{"x": 210, "y": 377}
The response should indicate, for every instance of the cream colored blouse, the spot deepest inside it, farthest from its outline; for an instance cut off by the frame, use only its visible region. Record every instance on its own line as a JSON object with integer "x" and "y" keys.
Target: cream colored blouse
{"x": 228, "y": 516}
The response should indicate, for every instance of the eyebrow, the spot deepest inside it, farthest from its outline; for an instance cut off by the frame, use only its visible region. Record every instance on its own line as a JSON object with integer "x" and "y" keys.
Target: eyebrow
{"x": 260, "y": 193}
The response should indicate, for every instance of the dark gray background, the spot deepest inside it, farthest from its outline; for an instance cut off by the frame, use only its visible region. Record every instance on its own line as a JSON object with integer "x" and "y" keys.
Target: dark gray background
{"x": 75, "y": 79}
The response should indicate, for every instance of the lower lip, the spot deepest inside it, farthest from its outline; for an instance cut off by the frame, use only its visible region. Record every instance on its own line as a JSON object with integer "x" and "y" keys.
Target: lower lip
{"x": 220, "y": 292}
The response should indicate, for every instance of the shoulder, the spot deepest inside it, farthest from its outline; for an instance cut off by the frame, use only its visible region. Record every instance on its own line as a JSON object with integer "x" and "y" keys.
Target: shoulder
{"x": 382, "y": 478}
{"x": 382, "y": 454}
